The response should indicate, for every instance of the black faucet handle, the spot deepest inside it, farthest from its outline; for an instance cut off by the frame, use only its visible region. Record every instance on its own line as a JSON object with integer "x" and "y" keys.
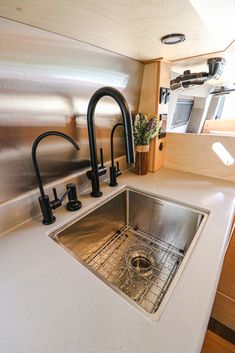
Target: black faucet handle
{"x": 102, "y": 168}
{"x": 118, "y": 172}
{"x": 55, "y": 193}
{"x": 74, "y": 204}
{"x": 101, "y": 159}
{"x": 56, "y": 202}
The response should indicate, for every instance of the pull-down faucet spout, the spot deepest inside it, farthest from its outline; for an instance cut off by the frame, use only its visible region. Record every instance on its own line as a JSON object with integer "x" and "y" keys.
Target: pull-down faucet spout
{"x": 126, "y": 116}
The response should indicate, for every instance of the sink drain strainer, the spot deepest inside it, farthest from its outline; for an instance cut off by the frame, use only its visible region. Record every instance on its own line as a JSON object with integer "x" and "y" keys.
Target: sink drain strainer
{"x": 140, "y": 259}
{"x": 141, "y": 263}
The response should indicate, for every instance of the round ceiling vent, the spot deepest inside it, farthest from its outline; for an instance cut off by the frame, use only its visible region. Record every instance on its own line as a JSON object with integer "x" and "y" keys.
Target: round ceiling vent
{"x": 173, "y": 38}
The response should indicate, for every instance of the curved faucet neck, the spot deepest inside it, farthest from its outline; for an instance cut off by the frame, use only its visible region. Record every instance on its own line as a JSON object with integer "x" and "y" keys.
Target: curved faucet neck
{"x": 34, "y": 150}
{"x": 126, "y": 116}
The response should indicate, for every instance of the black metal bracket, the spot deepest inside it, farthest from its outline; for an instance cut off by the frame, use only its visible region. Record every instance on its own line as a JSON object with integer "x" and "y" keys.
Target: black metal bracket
{"x": 164, "y": 95}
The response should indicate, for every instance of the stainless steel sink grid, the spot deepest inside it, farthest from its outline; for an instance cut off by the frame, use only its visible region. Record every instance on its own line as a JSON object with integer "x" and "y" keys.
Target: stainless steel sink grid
{"x": 135, "y": 243}
{"x": 147, "y": 288}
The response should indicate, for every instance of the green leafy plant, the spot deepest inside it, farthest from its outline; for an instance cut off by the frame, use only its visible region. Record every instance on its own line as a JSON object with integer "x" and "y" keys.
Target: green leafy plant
{"x": 145, "y": 128}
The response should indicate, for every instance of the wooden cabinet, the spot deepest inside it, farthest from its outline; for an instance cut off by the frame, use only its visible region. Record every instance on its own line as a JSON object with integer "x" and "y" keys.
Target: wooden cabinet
{"x": 156, "y": 75}
{"x": 224, "y": 305}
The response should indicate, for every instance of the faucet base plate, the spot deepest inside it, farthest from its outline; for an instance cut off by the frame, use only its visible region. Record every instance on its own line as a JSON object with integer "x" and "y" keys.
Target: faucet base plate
{"x": 113, "y": 184}
{"x": 96, "y": 194}
{"x": 53, "y": 219}
{"x": 73, "y": 206}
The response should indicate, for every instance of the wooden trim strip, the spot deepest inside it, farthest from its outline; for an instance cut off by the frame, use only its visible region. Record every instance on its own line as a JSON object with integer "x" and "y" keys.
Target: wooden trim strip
{"x": 226, "y": 296}
{"x": 155, "y": 60}
{"x": 202, "y": 55}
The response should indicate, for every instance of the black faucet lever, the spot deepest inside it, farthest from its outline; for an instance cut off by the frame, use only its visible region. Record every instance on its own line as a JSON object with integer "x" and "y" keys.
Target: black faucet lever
{"x": 73, "y": 205}
{"x": 55, "y": 193}
{"x": 113, "y": 170}
{"x": 56, "y": 202}
{"x": 119, "y": 172}
{"x": 102, "y": 168}
{"x": 101, "y": 158}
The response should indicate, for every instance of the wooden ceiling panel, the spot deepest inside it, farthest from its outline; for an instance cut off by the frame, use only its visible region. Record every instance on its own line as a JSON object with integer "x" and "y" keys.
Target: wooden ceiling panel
{"x": 133, "y": 27}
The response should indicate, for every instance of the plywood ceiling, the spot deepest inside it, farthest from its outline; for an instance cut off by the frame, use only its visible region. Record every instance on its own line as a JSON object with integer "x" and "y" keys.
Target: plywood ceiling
{"x": 133, "y": 27}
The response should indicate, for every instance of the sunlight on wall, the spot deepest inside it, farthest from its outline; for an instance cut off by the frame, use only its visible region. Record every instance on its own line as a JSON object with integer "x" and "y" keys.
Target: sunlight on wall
{"x": 228, "y": 109}
{"x": 223, "y": 153}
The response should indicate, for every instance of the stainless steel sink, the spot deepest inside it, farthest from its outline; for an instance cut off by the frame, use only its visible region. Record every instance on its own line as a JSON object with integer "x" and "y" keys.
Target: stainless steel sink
{"x": 135, "y": 243}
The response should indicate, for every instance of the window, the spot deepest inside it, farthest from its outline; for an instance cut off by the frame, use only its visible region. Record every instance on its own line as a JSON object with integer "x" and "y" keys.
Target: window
{"x": 182, "y": 112}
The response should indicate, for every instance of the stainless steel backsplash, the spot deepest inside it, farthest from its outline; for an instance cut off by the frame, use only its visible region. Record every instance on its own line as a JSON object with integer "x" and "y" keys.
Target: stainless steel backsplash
{"x": 46, "y": 81}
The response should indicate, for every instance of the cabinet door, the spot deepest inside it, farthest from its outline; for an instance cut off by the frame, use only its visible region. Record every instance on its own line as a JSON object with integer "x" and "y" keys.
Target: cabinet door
{"x": 224, "y": 305}
{"x": 227, "y": 278}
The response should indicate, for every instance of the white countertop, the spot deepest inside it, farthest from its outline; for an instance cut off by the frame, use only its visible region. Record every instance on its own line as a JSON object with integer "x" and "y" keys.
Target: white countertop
{"x": 50, "y": 303}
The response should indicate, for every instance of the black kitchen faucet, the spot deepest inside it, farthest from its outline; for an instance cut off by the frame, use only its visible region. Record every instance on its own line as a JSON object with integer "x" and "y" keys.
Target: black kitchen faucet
{"x": 46, "y": 205}
{"x": 96, "y": 171}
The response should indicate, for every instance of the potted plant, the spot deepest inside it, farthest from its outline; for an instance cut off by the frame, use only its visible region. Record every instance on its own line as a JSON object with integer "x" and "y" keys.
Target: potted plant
{"x": 146, "y": 127}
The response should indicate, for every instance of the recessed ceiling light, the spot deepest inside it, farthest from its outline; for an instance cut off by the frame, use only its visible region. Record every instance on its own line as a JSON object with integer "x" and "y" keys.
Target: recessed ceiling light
{"x": 173, "y": 38}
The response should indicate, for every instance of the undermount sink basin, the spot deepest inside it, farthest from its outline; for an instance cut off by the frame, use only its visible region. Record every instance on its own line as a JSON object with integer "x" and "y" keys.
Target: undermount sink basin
{"x": 135, "y": 243}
